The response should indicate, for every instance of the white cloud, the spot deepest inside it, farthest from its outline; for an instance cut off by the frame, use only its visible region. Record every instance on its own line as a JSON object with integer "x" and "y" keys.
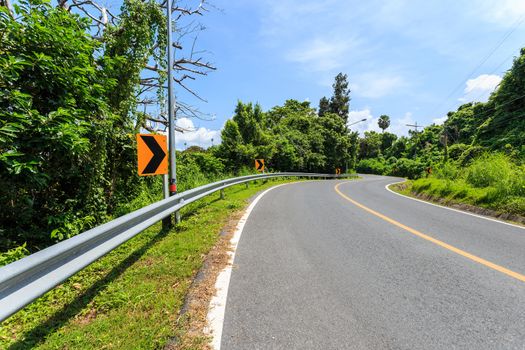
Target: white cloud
{"x": 322, "y": 54}
{"x": 480, "y": 88}
{"x": 399, "y": 125}
{"x": 439, "y": 121}
{"x": 195, "y": 136}
{"x": 376, "y": 85}
{"x": 369, "y": 125}
{"x": 502, "y": 12}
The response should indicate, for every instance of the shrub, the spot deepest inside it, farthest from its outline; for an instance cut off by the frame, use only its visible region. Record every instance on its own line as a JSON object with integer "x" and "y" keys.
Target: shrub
{"x": 456, "y": 150}
{"x": 493, "y": 170}
{"x": 470, "y": 153}
{"x": 371, "y": 166}
{"x": 13, "y": 255}
{"x": 410, "y": 168}
{"x": 446, "y": 170}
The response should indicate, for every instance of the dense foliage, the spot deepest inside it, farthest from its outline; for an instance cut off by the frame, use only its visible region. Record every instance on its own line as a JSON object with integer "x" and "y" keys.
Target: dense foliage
{"x": 493, "y": 180}
{"x": 472, "y": 131}
{"x": 67, "y": 118}
{"x": 477, "y": 156}
{"x": 55, "y": 121}
{"x": 292, "y": 137}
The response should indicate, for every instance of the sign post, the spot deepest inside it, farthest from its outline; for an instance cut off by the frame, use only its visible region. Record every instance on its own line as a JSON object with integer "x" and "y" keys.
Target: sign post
{"x": 152, "y": 154}
{"x": 259, "y": 165}
{"x": 172, "y": 178}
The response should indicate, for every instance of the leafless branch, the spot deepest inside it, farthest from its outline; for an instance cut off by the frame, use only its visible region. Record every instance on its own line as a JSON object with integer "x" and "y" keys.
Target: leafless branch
{"x": 188, "y": 67}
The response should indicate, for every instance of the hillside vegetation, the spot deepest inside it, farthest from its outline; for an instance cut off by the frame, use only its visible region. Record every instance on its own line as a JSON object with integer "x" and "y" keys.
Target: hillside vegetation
{"x": 477, "y": 156}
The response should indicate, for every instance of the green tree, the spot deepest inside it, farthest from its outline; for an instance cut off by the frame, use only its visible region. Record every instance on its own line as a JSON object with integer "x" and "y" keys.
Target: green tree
{"x": 337, "y": 142}
{"x": 387, "y": 140}
{"x": 324, "y": 106}
{"x": 383, "y": 122}
{"x": 54, "y": 123}
{"x": 231, "y": 147}
{"x": 370, "y": 145}
{"x": 340, "y": 100}
{"x": 504, "y": 122}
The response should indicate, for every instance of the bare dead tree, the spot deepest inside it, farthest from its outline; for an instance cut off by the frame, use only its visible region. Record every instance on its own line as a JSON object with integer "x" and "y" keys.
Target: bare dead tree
{"x": 189, "y": 65}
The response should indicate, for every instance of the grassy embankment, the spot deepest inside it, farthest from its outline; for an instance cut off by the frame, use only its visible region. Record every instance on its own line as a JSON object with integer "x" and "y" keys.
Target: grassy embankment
{"x": 131, "y": 298}
{"x": 492, "y": 182}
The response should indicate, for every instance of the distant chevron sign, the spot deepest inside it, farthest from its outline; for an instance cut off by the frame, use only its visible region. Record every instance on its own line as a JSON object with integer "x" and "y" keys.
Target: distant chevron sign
{"x": 152, "y": 154}
{"x": 259, "y": 164}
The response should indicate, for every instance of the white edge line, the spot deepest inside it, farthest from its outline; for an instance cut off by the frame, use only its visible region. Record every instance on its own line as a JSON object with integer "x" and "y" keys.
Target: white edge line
{"x": 217, "y": 306}
{"x": 448, "y": 208}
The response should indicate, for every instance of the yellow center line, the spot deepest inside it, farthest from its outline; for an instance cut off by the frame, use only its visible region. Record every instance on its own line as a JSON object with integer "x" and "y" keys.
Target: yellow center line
{"x": 463, "y": 253}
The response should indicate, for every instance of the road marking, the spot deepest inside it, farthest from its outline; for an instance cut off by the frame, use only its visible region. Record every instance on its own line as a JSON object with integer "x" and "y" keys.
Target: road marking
{"x": 218, "y": 302}
{"x": 415, "y": 232}
{"x": 453, "y": 209}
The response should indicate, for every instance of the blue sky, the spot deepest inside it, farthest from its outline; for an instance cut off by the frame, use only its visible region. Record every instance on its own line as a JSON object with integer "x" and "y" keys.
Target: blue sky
{"x": 413, "y": 60}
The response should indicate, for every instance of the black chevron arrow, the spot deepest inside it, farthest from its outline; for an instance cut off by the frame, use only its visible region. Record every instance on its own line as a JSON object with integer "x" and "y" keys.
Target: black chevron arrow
{"x": 260, "y": 164}
{"x": 158, "y": 154}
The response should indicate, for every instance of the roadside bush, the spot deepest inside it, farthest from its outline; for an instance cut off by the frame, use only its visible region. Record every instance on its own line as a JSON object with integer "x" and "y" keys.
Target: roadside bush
{"x": 446, "y": 170}
{"x": 13, "y": 255}
{"x": 456, "y": 150}
{"x": 207, "y": 163}
{"x": 492, "y": 180}
{"x": 470, "y": 154}
{"x": 371, "y": 166}
{"x": 498, "y": 171}
{"x": 409, "y": 168}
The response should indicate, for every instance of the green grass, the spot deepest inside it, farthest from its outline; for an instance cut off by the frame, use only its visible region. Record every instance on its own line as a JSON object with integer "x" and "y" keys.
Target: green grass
{"x": 493, "y": 181}
{"x": 129, "y": 299}
{"x": 459, "y": 191}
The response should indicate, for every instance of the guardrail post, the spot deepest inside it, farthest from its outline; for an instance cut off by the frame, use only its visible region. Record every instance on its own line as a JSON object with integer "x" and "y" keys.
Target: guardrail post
{"x": 246, "y": 183}
{"x": 166, "y": 222}
{"x": 222, "y": 194}
{"x": 177, "y": 213}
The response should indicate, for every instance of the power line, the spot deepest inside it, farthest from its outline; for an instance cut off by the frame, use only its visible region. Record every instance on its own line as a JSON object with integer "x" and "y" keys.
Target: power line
{"x": 494, "y": 70}
{"x": 515, "y": 26}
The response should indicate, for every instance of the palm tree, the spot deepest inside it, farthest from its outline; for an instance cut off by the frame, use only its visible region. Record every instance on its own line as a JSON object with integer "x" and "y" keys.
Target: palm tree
{"x": 384, "y": 122}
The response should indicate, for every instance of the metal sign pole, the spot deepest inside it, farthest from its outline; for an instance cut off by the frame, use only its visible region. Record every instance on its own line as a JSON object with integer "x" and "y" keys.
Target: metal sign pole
{"x": 172, "y": 177}
{"x": 171, "y": 108}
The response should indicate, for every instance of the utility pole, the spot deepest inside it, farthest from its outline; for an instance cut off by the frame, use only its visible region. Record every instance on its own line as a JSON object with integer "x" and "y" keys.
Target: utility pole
{"x": 348, "y": 126}
{"x": 415, "y": 126}
{"x": 170, "y": 181}
{"x": 171, "y": 107}
{"x": 444, "y": 141}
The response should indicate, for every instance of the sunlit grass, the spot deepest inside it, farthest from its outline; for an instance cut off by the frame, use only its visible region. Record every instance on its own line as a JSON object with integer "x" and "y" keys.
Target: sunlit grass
{"x": 492, "y": 181}
{"x": 129, "y": 299}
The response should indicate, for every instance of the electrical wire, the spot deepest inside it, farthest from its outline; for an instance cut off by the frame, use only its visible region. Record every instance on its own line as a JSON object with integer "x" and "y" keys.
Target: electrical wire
{"x": 515, "y": 26}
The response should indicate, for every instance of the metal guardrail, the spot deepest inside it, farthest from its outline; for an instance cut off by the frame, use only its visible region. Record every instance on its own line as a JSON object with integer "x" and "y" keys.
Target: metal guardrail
{"x": 23, "y": 281}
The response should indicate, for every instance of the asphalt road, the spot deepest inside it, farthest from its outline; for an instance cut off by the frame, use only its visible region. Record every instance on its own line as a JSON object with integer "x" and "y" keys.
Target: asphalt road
{"x": 315, "y": 271}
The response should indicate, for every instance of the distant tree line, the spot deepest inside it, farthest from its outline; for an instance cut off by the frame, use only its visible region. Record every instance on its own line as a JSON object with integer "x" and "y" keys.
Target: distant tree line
{"x": 474, "y": 129}
{"x": 292, "y": 137}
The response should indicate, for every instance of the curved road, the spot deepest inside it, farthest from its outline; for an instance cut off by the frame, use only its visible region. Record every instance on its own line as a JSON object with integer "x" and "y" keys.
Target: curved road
{"x": 359, "y": 267}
